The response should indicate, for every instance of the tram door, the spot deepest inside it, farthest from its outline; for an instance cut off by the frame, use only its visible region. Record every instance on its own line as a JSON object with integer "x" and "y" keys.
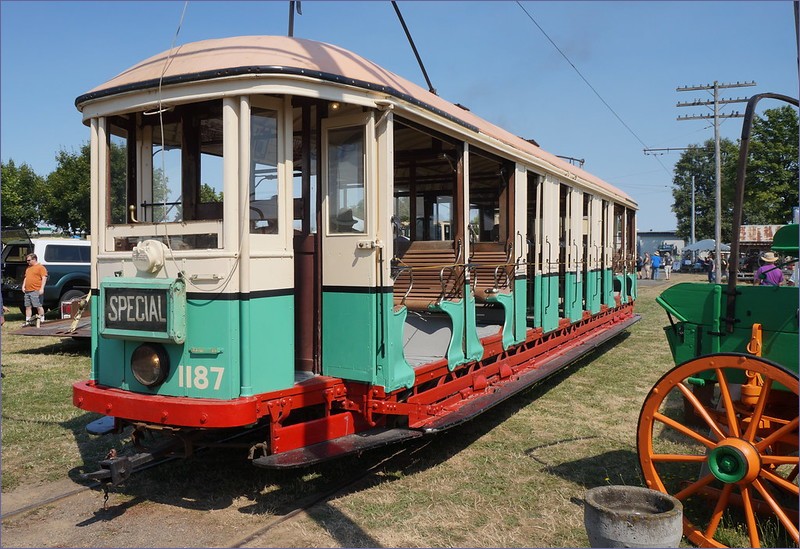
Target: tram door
{"x": 307, "y": 115}
{"x": 349, "y": 247}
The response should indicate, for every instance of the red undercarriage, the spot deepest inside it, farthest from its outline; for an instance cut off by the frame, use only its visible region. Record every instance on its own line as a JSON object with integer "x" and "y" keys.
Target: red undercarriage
{"x": 438, "y": 399}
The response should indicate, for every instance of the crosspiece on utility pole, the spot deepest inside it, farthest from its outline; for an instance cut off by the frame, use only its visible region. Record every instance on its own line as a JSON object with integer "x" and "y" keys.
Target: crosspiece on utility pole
{"x": 698, "y": 103}
{"x": 716, "y": 86}
{"x": 735, "y": 114}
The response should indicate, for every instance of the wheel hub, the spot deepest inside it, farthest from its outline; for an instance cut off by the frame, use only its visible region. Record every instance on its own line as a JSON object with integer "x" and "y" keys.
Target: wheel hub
{"x": 734, "y": 461}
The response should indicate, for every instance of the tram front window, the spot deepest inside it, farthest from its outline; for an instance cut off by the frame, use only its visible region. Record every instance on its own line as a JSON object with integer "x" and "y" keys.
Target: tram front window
{"x": 180, "y": 180}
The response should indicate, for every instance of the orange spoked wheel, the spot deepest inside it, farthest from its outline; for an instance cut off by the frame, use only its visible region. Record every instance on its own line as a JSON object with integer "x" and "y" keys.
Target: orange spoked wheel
{"x": 734, "y": 467}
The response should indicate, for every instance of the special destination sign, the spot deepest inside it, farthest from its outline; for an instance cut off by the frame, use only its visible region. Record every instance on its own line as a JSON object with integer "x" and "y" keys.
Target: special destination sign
{"x": 139, "y": 309}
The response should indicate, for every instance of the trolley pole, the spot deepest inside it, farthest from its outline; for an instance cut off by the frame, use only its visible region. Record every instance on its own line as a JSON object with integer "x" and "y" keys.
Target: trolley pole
{"x": 716, "y": 86}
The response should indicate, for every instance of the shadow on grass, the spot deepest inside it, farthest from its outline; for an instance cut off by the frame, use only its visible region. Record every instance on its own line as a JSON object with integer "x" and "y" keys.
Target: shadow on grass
{"x": 217, "y": 479}
{"x": 64, "y": 346}
{"x": 619, "y": 467}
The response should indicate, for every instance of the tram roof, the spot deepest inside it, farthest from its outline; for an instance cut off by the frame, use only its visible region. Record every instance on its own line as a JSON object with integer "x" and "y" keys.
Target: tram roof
{"x": 254, "y": 55}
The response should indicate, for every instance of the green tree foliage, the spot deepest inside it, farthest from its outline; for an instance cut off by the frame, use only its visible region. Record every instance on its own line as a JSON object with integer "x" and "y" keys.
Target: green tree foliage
{"x": 208, "y": 194}
{"x": 119, "y": 183}
{"x": 772, "y": 173}
{"x": 66, "y": 203}
{"x": 698, "y": 162}
{"x": 22, "y": 195}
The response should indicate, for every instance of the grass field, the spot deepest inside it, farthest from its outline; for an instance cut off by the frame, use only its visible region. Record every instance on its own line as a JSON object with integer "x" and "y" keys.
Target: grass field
{"x": 514, "y": 477}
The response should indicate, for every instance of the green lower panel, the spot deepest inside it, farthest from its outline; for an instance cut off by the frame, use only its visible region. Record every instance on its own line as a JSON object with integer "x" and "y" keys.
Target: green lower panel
{"x": 349, "y": 325}
{"x": 608, "y": 288}
{"x": 619, "y": 286}
{"x": 573, "y": 302}
{"x": 362, "y": 339}
{"x": 520, "y": 300}
{"x": 393, "y": 370}
{"x": 632, "y": 286}
{"x": 549, "y": 302}
{"x": 593, "y": 284}
{"x": 210, "y": 363}
{"x": 472, "y": 344}
{"x": 533, "y": 316}
{"x": 272, "y": 353}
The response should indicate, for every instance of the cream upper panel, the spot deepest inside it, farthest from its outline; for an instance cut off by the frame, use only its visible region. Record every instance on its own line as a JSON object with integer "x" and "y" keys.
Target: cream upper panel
{"x": 278, "y": 55}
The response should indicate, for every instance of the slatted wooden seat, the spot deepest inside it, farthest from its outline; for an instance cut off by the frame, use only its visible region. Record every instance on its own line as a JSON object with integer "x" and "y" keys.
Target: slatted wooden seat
{"x": 427, "y": 274}
{"x": 490, "y": 271}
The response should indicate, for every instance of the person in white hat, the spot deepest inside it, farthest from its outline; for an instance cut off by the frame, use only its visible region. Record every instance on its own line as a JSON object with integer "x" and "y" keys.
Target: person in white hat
{"x": 769, "y": 274}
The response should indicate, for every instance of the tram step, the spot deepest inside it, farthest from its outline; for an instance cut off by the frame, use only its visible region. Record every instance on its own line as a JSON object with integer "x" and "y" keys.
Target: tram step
{"x": 335, "y": 448}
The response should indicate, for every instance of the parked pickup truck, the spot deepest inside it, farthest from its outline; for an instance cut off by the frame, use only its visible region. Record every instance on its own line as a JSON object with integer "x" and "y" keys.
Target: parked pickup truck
{"x": 67, "y": 261}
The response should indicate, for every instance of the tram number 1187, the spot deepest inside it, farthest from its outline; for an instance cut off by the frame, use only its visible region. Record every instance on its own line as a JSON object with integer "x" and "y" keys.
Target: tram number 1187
{"x": 197, "y": 377}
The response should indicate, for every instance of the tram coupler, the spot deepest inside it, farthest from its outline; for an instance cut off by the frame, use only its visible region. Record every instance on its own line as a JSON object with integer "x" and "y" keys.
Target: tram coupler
{"x": 117, "y": 470}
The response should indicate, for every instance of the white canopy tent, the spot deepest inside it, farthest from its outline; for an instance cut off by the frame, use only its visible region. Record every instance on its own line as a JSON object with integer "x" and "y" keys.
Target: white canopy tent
{"x": 708, "y": 244}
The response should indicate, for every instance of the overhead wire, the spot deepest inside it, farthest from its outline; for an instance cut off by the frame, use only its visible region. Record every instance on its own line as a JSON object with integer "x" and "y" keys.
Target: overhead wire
{"x": 617, "y": 116}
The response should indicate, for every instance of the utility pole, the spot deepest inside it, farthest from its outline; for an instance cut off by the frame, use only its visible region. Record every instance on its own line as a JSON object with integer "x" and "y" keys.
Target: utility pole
{"x": 716, "y": 86}
{"x": 694, "y": 253}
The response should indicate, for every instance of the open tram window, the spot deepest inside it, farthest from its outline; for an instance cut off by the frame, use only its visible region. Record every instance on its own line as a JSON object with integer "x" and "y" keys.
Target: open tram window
{"x": 619, "y": 238}
{"x": 488, "y": 198}
{"x": 264, "y": 194}
{"x": 425, "y": 177}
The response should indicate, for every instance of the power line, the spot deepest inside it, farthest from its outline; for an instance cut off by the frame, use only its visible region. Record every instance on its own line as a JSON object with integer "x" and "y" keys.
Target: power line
{"x": 588, "y": 83}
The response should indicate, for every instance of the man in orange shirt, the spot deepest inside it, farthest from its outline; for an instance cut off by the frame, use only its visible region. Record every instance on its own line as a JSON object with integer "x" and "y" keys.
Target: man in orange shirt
{"x": 33, "y": 287}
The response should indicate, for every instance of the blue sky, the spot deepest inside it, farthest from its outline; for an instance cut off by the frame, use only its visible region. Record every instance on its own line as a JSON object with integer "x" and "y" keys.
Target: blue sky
{"x": 488, "y": 56}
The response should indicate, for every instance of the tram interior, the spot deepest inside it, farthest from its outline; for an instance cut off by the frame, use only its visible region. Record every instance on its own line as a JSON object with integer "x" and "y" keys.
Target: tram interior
{"x": 429, "y": 252}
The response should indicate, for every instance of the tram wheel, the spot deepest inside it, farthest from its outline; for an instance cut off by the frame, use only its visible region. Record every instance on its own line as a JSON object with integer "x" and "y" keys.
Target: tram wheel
{"x": 736, "y": 474}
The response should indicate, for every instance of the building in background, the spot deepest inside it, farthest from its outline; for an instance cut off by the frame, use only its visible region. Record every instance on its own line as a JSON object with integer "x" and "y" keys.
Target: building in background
{"x": 652, "y": 241}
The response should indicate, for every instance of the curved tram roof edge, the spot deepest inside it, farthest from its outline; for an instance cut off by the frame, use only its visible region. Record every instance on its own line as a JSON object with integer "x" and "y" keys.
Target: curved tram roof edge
{"x": 264, "y": 55}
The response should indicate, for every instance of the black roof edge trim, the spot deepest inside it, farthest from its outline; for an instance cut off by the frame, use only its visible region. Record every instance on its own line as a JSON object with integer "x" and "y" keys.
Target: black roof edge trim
{"x": 268, "y": 69}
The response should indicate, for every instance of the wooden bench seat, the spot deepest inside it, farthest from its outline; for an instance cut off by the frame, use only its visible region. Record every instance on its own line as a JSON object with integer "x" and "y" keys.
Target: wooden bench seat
{"x": 490, "y": 271}
{"x": 427, "y": 274}
{"x": 430, "y": 276}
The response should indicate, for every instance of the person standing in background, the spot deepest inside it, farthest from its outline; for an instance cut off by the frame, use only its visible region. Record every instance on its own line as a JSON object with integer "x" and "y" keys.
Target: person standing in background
{"x": 768, "y": 274}
{"x": 656, "y": 264}
{"x": 667, "y": 264}
{"x": 33, "y": 288}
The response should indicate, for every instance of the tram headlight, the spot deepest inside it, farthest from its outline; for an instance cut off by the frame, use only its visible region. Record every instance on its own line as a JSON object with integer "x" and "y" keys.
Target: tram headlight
{"x": 150, "y": 364}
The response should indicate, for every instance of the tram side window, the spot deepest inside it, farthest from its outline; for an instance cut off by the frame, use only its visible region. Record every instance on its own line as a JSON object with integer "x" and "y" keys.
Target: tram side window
{"x": 346, "y": 180}
{"x": 264, "y": 201}
{"x": 425, "y": 176}
{"x": 619, "y": 238}
{"x": 488, "y": 185}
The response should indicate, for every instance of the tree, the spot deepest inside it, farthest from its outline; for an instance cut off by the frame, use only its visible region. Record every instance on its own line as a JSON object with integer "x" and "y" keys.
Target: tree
{"x": 67, "y": 199}
{"x": 770, "y": 189}
{"x": 772, "y": 171}
{"x": 208, "y": 194}
{"x": 119, "y": 183}
{"x": 22, "y": 195}
{"x": 698, "y": 161}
